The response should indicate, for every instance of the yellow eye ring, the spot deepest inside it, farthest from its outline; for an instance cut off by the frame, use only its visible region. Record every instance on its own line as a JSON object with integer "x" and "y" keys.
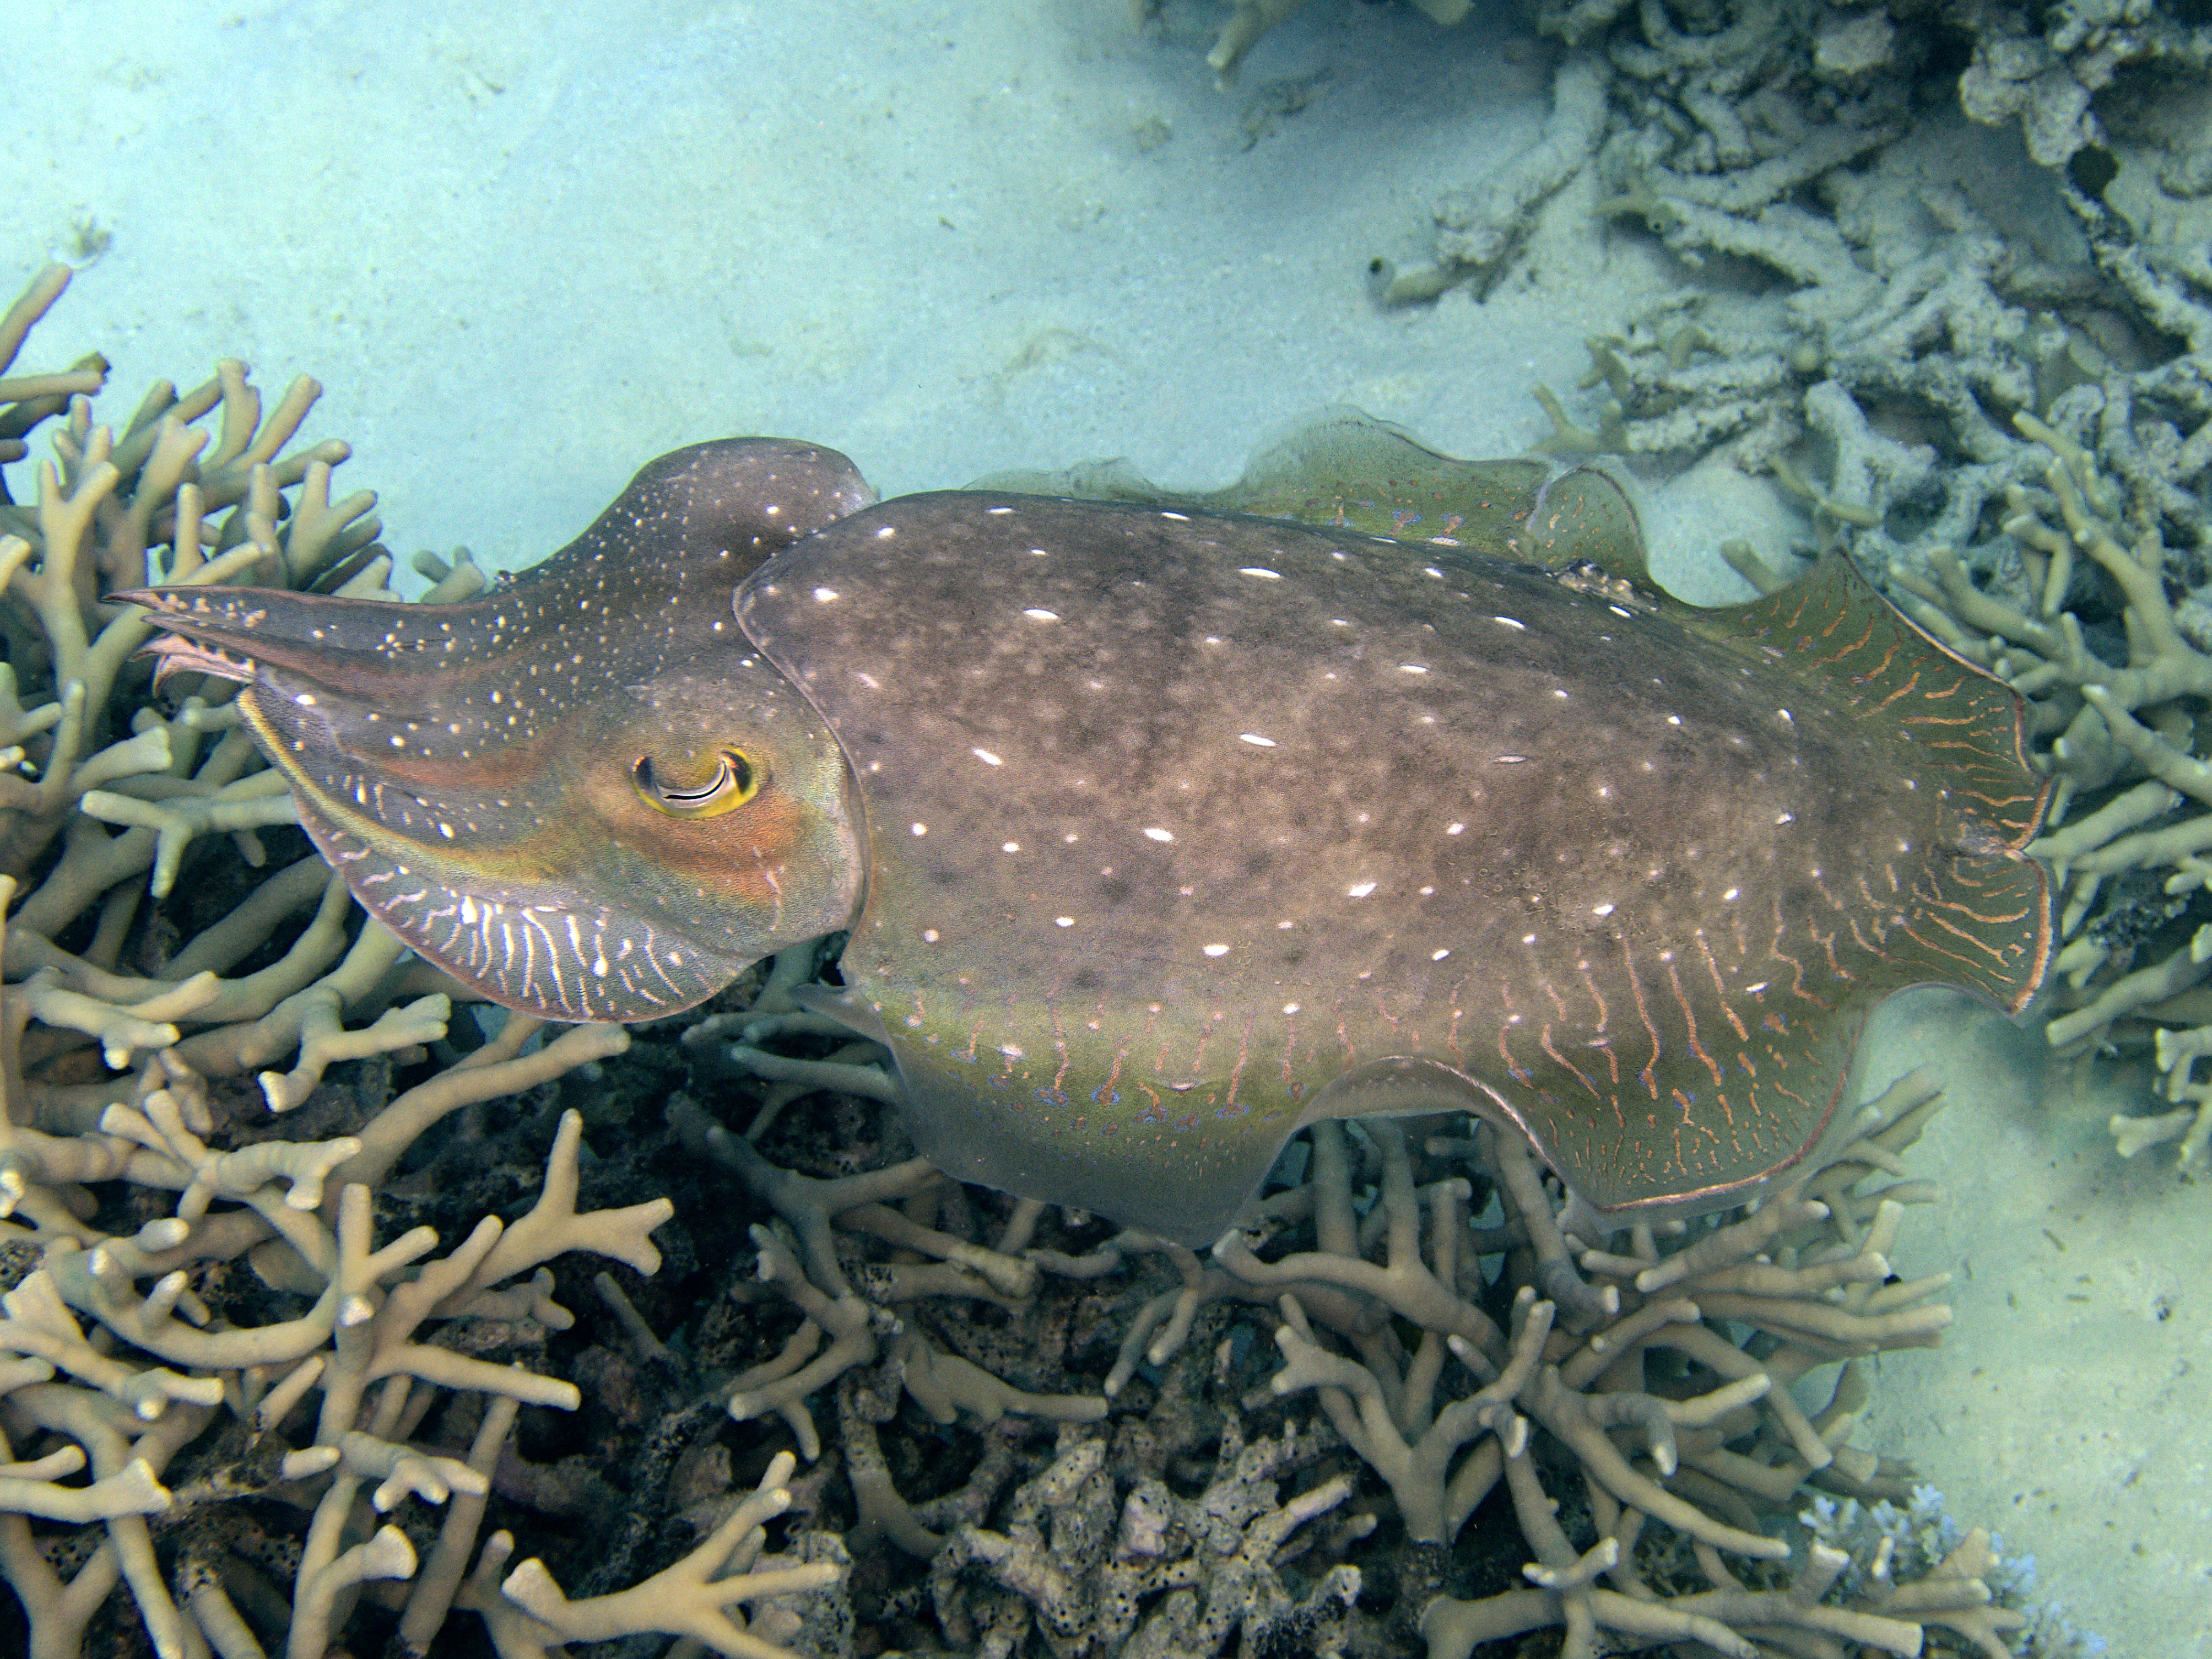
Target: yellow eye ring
{"x": 735, "y": 781}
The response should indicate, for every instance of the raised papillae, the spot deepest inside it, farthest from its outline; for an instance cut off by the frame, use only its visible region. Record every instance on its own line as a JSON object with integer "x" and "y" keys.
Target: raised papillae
{"x": 1161, "y": 829}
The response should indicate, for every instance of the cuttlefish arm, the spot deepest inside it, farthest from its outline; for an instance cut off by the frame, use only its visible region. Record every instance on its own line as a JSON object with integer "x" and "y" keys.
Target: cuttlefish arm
{"x": 583, "y": 793}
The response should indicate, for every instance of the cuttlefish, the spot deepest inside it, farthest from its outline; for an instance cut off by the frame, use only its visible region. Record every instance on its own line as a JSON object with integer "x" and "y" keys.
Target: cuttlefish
{"x": 1160, "y": 830}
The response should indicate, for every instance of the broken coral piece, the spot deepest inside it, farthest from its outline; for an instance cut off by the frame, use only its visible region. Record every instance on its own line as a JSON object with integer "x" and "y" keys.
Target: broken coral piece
{"x": 1250, "y": 20}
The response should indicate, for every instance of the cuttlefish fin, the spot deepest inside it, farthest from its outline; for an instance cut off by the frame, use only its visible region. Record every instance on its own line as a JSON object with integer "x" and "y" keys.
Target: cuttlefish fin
{"x": 1989, "y": 926}
{"x": 1343, "y": 469}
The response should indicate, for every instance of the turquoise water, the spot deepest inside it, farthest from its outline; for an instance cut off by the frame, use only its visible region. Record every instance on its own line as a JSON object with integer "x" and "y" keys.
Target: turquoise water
{"x": 525, "y": 254}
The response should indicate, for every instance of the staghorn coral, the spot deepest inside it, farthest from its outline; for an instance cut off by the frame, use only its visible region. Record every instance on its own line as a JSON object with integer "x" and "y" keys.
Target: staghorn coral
{"x": 1704, "y": 125}
{"x": 388, "y": 1338}
{"x": 1861, "y": 309}
{"x": 218, "y": 1390}
{"x": 2117, "y": 709}
{"x": 2047, "y": 70}
{"x": 1891, "y": 1545}
{"x": 1464, "y": 1346}
{"x": 1772, "y": 1270}
{"x": 1479, "y": 228}
{"x": 103, "y": 510}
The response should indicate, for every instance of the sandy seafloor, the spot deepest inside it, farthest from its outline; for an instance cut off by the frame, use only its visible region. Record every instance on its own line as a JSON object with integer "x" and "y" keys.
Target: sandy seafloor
{"x": 527, "y": 252}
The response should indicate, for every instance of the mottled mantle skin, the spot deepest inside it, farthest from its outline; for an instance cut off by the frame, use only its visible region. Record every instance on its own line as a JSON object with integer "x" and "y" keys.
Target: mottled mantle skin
{"x": 1159, "y": 833}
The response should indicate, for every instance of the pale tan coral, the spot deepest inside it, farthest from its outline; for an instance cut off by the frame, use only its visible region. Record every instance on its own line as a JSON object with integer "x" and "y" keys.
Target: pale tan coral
{"x": 1673, "y": 1392}
{"x": 2121, "y": 744}
{"x": 108, "y": 1355}
{"x": 691, "y": 1598}
{"x": 1712, "y": 1457}
{"x": 1250, "y": 20}
{"x": 105, "y": 509}
{"x": 944, "y": 1384}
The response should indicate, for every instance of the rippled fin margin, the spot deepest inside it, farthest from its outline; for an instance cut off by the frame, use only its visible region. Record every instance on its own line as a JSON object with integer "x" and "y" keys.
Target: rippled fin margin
{"x": 1984, "y": 922}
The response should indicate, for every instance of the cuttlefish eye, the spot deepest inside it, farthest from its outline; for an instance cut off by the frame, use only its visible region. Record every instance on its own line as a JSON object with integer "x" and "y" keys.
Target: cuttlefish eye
{"x": 734, "y": 781}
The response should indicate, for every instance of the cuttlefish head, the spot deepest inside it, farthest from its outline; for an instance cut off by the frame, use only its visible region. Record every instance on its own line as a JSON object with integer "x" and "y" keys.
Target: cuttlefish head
{"x": 583, "y": 794}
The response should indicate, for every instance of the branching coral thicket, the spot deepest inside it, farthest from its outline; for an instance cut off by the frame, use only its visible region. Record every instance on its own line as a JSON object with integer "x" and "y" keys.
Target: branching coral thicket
{"x": 1860, "y": 311}
{"x": 168, "y": 499}
{"x": 1297, "y": 1430}
{"x": 2118, "y": 709}
{"x": 235, "y": 1384}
